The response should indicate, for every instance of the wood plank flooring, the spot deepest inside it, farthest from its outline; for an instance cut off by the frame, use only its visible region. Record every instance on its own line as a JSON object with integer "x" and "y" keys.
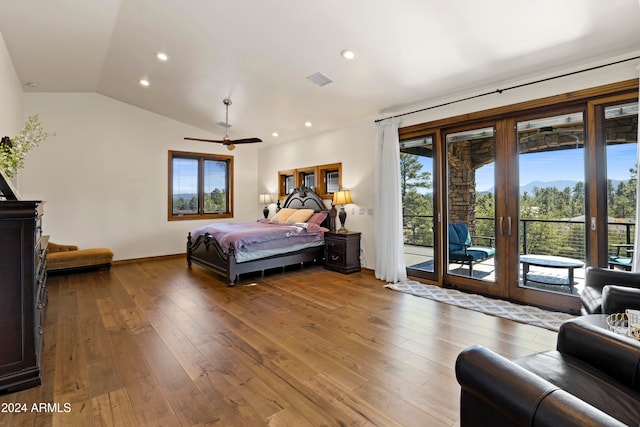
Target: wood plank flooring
{"x": 155, "y": 343}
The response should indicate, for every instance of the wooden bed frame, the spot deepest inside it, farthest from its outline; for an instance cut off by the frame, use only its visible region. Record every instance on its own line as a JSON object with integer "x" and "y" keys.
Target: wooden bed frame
{"x": 207, "y": 252}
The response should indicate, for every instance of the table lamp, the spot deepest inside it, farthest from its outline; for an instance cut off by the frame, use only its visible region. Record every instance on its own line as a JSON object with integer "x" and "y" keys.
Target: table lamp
{"x": 265, "y": 199}
{"x": 342, "y": 197}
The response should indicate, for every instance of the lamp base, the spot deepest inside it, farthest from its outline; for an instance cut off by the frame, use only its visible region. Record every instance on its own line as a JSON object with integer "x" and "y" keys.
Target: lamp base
{"x": 342, "y": 215}
{"x": 265, "y": 212}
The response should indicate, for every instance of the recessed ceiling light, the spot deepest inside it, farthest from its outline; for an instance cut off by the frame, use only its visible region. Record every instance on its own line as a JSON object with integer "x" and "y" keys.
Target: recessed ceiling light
{"x": 144, "y": 82}
{"x": 308, "y": 124}
{"x": 348, "y": 54}
{"x": 162, "y": 56}
{"x": 274, "y": 134}
{"x": 32, "y": 84}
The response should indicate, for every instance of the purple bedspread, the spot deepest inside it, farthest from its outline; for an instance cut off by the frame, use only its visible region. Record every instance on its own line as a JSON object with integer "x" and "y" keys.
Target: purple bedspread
{"x": 253, "y": 236}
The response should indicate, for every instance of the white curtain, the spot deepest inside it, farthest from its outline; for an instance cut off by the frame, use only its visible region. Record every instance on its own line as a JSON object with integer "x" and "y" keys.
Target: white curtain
{"x": 390, "y": 265}
{"x": 636, "y": 241}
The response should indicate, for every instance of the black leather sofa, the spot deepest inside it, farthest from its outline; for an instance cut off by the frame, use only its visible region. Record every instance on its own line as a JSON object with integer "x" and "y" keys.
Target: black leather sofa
{"x": 597, "y": 284}
{"x": 591, "y": 379}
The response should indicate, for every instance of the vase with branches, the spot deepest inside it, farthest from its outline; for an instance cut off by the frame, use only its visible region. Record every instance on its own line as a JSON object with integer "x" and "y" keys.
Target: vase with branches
{"x": 13, "y": 151}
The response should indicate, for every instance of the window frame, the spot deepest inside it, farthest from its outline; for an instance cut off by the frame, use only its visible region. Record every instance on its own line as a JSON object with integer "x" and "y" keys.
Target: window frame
{"x": 201, "y": 158}
{"x": 319, "y": 174}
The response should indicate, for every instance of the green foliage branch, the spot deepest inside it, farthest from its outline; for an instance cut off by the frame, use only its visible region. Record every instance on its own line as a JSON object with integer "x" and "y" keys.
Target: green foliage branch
{"x": 13, "y": 151}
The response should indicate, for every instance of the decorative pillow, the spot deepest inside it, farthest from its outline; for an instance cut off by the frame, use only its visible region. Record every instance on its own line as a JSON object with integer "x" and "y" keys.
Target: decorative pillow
{"x": 282, "y": 215}
{"x": 318, "y": 217}
{"x": 300, "y": 215}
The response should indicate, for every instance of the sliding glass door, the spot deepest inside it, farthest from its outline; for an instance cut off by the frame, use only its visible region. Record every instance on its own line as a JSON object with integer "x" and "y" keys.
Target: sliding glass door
{"x": 621, "y": 134}
{"x": 417, "y": 172}
{"x": 517, "y": 201}
{"x": 474, "y": 241}
{"x": 472, "y": 255}
{"x": 551, "y": 203}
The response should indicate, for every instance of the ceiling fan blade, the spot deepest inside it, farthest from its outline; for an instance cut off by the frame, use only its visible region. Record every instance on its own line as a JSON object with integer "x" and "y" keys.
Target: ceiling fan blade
{"x": 245, "y": 140}
{"x": 205, "y": 140}
{"x": 229, "y": 143}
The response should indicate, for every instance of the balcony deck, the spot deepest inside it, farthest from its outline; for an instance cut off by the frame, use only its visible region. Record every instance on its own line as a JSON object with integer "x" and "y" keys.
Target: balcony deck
{"x": 421, "y": 258}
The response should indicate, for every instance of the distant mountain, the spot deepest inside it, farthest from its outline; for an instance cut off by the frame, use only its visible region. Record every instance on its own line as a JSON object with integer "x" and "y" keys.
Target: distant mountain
{"x": 559, "y": 184}
{"x": 186, "y": 196}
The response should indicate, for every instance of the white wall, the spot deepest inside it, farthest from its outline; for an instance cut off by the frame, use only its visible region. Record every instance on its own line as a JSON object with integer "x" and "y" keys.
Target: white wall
{"x": 104, "y": 176}
{"x": 11, "y": 106}
{"x": 354, "y": 146}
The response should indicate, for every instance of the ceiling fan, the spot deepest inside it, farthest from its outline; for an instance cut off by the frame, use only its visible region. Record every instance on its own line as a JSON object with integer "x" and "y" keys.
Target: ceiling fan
{"x": 550, "y": 130}
{"x": 230, "y": 143}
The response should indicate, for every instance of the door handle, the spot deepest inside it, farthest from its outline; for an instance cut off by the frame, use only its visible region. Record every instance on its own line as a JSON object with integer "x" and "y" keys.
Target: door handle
{"x": 509, "y": 225}
{"x": 501, "y": 220}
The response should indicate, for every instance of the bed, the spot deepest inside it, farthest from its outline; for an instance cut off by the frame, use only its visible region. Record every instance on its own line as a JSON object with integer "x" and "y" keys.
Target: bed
{"x": 231, "y": 249}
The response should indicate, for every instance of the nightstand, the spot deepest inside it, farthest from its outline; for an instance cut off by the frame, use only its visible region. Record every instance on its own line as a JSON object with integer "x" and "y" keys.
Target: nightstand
{"x": 342, "y": 252}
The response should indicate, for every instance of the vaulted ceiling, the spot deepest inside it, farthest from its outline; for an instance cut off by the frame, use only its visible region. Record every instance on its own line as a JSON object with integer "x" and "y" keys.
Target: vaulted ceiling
{"x": 260, "y": 53}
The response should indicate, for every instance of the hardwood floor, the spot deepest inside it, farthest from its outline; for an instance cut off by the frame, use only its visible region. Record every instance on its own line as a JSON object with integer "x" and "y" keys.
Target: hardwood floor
{"x": 155, "y": 343}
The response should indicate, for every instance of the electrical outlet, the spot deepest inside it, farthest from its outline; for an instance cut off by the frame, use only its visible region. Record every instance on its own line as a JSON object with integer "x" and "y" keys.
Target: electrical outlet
{"x": 361, "y": 211}
{"x": 370, "y": 211}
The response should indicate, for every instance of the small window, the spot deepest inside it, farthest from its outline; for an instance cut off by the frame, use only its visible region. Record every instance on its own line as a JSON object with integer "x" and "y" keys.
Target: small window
{"x": 307, "y": 177}
{"x": 200, "y": 186}
{"x": 330, "y": 180}
{"x": 332, "y": 183}
{"x": 323, "y": 179}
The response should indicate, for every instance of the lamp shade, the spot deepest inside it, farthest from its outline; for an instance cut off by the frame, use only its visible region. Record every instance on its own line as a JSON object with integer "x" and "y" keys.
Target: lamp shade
{"x": 265, "y": 198}
{"x": 342, "y": 197}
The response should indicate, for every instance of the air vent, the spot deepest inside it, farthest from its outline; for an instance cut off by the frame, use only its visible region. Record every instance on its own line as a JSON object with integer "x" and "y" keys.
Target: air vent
{"x": 319, "y": 79}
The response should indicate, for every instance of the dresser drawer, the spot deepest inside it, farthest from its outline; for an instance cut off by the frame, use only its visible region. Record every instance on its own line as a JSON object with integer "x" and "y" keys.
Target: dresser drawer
{"x": 335, "y": 258}
{"x": 336, "y": 246}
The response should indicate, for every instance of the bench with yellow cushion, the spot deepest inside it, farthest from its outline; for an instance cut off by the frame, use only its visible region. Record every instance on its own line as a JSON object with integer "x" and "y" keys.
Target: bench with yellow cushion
{"x": 66, "y": 257}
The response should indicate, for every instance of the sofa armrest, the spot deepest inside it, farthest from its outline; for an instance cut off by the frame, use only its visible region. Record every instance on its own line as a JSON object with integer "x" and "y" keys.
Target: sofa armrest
{"x": 611, "y": 353}
{"x": 616, "y": 299}
{"x": 55, "y": 247}
{"x": 496, "y": 391}
{"x": 600, "y": 277}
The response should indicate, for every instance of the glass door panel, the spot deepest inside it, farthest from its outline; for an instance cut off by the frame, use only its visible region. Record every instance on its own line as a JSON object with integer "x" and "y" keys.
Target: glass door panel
{"x": 551, "y": 223}
{"x": 621, "y": 130}
{"x": 418, "y": 207}
{"x": 471, "y": 204}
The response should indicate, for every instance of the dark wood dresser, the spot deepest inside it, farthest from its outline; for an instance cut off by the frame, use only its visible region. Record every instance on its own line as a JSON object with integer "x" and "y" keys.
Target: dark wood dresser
{"x": 23, "y": 293}
{"x": 342, "y": 252}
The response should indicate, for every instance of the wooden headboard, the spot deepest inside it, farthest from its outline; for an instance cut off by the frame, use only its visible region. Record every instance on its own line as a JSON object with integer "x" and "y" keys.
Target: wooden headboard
{"x": 304, "y": 198}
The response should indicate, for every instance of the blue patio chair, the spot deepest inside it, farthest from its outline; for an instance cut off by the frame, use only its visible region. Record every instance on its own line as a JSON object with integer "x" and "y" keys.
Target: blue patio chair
{"x": 622, "y": 261}
{"x": 461, "y": 249}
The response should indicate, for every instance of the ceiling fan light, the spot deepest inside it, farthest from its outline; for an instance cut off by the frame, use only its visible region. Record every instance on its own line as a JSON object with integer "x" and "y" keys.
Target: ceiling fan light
{"x": 162, "y": 56}
{"x": 144, "y": 82}
{"x": 231, "y": 147}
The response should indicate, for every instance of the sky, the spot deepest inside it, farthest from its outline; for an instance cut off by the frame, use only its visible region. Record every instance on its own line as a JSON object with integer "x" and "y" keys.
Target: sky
{"x": 563, "y": 165}
{"x": 185, "y": 171}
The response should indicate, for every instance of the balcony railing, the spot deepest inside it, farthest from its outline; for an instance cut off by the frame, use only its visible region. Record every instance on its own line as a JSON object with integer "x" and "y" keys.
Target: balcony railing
{"x": 561, "y": 237}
